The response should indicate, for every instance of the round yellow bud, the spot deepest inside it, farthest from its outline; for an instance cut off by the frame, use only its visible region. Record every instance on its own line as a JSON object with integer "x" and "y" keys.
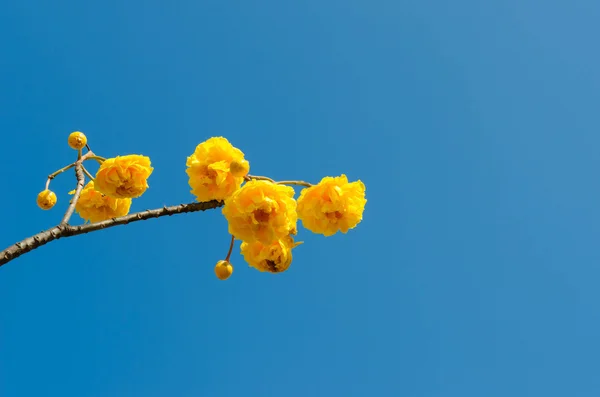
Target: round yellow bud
{"x": 239, "y": 168}
{"x": 223, "y": 270}
{"x": 46, "y": 199}
{"x": 77, "y": 140}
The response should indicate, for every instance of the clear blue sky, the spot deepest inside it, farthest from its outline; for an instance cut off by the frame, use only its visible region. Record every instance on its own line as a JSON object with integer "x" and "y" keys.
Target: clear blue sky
{"x": 474, "y": 125}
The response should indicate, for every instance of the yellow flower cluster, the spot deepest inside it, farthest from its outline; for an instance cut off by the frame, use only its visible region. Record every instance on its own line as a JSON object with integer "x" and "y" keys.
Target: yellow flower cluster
{"x": 93, "y": 206}
{"x": 331, "y": 206}
{"x": 263, "y": 213}
{"x": 216, "y": 169}
{"x": 109, "y": 194}
{"x": 124, "y": 176}
{"x": 275, "y": 257}
{"x": 260, "y": 212}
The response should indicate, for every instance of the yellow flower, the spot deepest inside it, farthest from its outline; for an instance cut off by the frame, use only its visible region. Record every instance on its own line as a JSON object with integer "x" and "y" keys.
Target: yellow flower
{"x": 209, "y": 169}
{"x": 77, "y": 140}
{"x": 261, "y": 211}
{"x": 331, "y": 206}
{"x": 274, "y": 258}
{"x": 223, "y": 270}
{"x": 94, "y": 206}
{"x": 124, "y": 176}
{"x": 46, "y": 199}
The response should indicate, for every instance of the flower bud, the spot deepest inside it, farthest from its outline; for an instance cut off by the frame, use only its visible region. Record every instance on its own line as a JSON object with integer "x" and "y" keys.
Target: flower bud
{"x": 77, "y": 140}
{"x": 239, "y": 168}
{"x": 223, "y": 270}
{"x": 46, "y": 199}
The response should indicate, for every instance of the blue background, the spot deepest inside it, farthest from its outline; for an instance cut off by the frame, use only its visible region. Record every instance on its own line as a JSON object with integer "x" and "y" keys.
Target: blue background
{"x": 473, "y": 124}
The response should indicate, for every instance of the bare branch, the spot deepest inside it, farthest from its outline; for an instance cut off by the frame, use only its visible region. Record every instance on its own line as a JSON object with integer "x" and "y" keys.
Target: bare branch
{"x": 80, "y": 183}
{"x": 265, "y": 178}
{"x": 65, "y": 230}
{"x": 87, "y": 173}
{"x": 299, "y": 183}
{"x": 258, "y": 178}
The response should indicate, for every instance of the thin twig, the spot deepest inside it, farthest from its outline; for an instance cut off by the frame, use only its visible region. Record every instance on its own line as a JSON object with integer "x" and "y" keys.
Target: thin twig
{"x": 230, "y": 248}
{"x": 260, "y": 178}
{"x": 55, "y": 173}
{"x": 80, "y": 182}
{"x": 99, "y": 159}
{"x": 87, "y": 173}
{"x": 266, "y": 178}
{"x": 65, "y": 230}
{"x": 299, "y": 183}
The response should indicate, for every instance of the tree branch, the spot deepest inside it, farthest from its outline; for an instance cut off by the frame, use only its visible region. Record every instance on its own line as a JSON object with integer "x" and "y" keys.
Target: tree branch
{"x": 66, "y": 230}
{"x": 80, "y": 183}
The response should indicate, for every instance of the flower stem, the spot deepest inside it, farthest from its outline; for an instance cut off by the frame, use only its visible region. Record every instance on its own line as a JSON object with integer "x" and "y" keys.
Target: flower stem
{"x": 299, "y": 183}
{"x": 265, "y": 178}
{"x": 259, "y": 178}
{"x": 80, "y": 182}
{"x": 53, "y": 175}
{"x": 87, "y": 173}
{"x": 230, "y": 249}
{"x": 99, "y": 159}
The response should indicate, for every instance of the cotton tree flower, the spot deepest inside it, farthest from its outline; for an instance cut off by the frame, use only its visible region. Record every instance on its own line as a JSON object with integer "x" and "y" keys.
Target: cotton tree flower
{"x": 261, "y": 211}
{"x": 216, "y": 169}
{"x": 124, "y": 176}
{"x": 332, "y": 205}
{"x": 273, "y": 258}
{"x": 93, "y": 206}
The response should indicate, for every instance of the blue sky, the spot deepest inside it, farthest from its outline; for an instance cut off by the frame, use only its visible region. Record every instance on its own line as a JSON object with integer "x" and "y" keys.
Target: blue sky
{"x": 474, "y": 126}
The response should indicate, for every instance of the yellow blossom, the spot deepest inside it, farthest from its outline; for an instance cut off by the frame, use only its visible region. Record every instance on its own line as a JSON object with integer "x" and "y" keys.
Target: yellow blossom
{"x": 210, "y": 172}
{"x": 77, "y": 140}
{"x": 274, "y": 258}
{"x": 261, "y": 211}
{"x": 223, "y": 270}
{"x": 94, "y": 206}
{"x": 46, "y": 199}
{"x": 124, "y": 176}
{"x": 331, "y": 206}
